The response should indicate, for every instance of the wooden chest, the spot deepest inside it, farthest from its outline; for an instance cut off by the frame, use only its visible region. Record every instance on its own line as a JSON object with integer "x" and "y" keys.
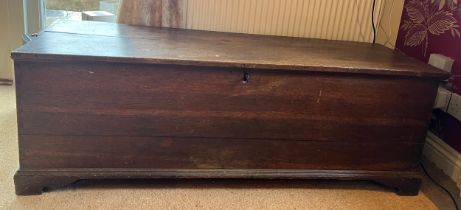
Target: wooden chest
{"x": 100, "y": 100}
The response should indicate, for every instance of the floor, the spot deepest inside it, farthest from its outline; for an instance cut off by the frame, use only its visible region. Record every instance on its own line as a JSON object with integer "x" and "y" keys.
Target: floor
{"x": 203, "y": 194}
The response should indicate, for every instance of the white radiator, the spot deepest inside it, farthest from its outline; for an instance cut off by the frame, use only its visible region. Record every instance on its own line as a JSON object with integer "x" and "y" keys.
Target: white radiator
{"x": 325, "y": 19}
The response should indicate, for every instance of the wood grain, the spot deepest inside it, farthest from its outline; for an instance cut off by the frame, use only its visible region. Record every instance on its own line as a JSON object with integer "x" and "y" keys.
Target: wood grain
{"x": 41, "y": 152}
{"x": 107, "y": 99}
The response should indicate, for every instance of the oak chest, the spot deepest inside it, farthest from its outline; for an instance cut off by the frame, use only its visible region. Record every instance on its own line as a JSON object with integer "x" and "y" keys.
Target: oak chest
{"x": 101, "y": 100}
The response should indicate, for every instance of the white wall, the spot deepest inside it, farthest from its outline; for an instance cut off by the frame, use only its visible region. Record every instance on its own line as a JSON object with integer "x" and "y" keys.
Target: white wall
{"x": 11, "y": 30}
{"x": 390, "y": 23}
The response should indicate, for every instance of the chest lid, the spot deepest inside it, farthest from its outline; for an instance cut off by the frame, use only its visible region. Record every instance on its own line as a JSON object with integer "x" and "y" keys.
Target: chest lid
{"x": 108, "y": 42}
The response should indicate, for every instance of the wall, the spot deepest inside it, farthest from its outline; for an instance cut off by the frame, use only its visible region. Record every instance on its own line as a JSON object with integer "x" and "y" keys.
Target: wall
{"x": 388, "y": 29}
{"x": 11, "y": 30}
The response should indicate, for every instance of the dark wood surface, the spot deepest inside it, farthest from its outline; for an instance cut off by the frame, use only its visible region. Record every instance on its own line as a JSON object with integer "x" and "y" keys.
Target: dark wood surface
{"x": 137, "y": 101}
{"x": 168, "y": 100}
{"x": 32, "y": 182}
{"x": 97, "y": 41}
{"x": 212, "y": 153}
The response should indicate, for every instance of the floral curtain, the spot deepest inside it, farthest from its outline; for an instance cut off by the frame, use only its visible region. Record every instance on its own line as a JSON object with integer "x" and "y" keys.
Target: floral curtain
{"x": 432, "y": 26}
{"x": 157, "y": 13}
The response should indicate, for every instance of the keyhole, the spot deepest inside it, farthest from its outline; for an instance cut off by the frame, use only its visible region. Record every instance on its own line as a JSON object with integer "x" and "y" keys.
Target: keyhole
{"x": 246, "y": 77}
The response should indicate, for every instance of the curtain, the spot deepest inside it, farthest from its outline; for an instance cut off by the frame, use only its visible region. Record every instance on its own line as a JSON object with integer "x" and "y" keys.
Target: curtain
{"x": 157, "y": 13}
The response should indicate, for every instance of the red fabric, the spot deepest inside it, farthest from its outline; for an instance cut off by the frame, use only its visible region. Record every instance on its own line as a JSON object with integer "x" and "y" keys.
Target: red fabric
{"x": 432, "y": 26}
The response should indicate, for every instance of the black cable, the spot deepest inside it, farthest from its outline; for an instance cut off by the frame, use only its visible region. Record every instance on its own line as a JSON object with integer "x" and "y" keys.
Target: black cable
{"x": 439, "y": 185}
{"x": 449, "y": 102}
{"x": 373, "y": 21}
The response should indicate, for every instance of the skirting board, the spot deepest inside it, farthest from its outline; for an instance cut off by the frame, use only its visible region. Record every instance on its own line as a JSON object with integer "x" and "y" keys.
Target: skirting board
{"x": 6, "y": 81}
{"x": 444, "y": 157}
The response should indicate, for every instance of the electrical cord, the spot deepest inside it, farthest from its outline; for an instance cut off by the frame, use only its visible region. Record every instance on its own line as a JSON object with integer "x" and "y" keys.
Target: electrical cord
{"x": 440, "y": 186}
{"x": 373, "y": 21}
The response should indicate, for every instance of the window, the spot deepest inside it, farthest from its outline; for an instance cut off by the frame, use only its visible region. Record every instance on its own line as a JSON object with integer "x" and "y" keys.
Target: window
{"x": 93, "y": 10}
